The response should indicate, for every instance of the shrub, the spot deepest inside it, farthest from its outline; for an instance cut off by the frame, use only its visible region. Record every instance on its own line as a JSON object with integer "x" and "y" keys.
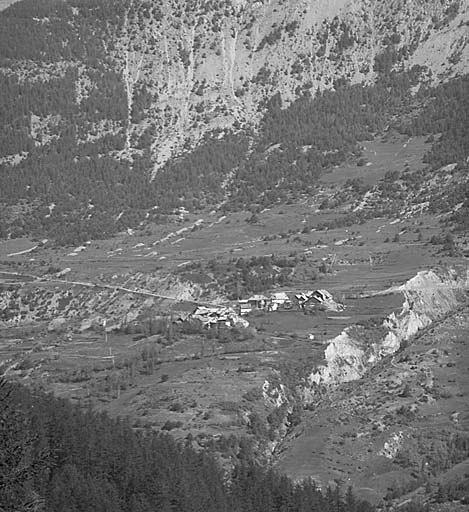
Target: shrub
{"x": 253, "y": 394}
{"x": 176, "y": 407}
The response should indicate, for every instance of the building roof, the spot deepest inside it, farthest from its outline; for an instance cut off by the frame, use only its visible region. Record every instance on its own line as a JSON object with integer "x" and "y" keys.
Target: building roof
{"x": 322, "y": 294}
{"x": 258, "y": 297}
{"x": 280, "y": 296}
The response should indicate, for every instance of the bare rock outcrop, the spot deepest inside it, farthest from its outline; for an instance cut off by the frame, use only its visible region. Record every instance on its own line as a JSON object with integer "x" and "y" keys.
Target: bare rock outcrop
{"x": 428, "y": 297}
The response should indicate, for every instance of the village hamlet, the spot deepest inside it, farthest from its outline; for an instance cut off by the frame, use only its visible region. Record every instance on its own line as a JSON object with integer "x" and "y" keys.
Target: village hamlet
{"x": 308, "y": 302}
{"x": 186, "y": 315}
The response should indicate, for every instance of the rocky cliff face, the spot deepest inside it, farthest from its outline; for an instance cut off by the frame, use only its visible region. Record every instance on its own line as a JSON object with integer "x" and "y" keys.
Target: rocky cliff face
{"x": 205, "y": 65}
{"x": 428, "y": 297}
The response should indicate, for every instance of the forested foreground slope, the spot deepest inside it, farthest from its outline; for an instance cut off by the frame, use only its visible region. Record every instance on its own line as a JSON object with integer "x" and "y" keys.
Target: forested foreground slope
{"x": 56, "y": 457}
{"x": 117, "y": 112}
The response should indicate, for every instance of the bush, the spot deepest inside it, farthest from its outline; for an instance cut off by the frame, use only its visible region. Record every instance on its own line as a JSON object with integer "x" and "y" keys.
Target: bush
{"x": 253, "y": 394}
{"x": 170, "y": 425}
{"x": 176, "y": 407}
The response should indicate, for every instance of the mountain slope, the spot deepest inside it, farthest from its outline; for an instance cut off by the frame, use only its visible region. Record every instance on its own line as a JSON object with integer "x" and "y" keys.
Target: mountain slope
{"x": 101, "y": 97}
{"x": 211, "y": 64}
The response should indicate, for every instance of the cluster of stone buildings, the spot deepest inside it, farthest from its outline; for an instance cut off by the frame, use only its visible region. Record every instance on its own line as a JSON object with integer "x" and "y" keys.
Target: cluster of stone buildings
{"x": 320, "y": 300}
{"x": 223, "y": 316}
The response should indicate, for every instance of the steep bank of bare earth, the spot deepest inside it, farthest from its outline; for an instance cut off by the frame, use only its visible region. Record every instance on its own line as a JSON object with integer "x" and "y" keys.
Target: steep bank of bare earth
{"x": 428, "y": 297}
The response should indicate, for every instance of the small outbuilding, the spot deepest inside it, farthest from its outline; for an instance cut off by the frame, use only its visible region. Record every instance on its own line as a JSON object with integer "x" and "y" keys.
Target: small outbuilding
{"x": 259, "y": 302}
